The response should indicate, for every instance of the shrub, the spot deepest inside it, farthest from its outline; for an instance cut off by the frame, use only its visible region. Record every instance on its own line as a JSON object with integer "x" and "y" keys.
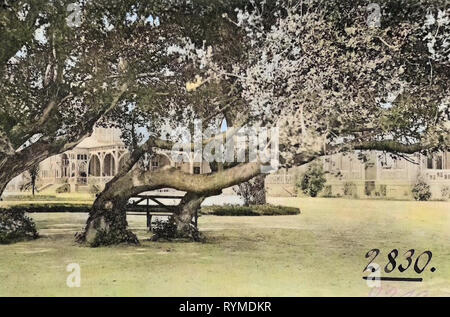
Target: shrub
{"x": 65, "y": 188}
{"x": 313, "y": 180}
{"x": 445, "y": 192}
{"x": 327, "y": 191}
{"x": 165, "y": 229}
{"x": 15, "y": 226}
{"x": 109, "y": 237}
{"x": 383, "y": 190}
{"x": 349, "y": 189}
{"x": 256, "y": 210}
{"x": 253, "y": 192}
{"x": 421, "y": 190}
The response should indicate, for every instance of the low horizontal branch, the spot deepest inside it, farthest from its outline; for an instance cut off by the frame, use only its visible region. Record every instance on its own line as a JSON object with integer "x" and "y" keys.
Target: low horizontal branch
{"x": 138, "y": 181}
{"x": 391, "y": 146}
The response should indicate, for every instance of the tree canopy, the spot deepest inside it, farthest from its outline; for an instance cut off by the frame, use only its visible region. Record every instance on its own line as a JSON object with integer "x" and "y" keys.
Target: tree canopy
{"x": 331, "y": 82}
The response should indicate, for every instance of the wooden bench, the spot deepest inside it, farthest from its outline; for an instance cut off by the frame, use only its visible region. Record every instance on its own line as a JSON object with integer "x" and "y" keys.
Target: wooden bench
{"x": 160, "y": 209}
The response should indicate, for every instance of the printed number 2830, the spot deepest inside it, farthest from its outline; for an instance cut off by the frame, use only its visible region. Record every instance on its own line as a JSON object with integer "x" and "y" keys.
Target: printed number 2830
{"x": 392, "y": 258}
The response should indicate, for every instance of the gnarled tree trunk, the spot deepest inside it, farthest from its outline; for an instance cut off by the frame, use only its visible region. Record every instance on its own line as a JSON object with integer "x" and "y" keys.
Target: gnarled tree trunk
{"x": 10, "y": 168}
{"x": 107, "y": 220}
{"x": 3, "y": 184}
{"x": 188, "y": 207}
{"x": 107, "y": 223}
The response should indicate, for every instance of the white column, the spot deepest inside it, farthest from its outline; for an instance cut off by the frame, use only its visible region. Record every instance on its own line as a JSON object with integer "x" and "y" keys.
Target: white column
{"x": 102, "y": 158}
{"x": 116, "y": 162}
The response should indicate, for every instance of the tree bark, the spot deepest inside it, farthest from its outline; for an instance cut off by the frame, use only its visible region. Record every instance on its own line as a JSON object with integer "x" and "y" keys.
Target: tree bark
{"x": 183, "y": 217}
{"x": 9, "y": 169}
{"x": 107, "y": 223}
{"x": 189, "y": 206}
{"x": 3, "y": 183}
{"x": 108, "y": 213}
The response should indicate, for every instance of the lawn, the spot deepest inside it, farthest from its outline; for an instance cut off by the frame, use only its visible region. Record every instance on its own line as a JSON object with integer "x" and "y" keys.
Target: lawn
{"x": 320, "y": 252}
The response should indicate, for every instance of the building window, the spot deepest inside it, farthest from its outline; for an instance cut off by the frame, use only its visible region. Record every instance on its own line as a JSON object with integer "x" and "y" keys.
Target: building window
{"x": 155, "y": 165}
{"x": 346, "y": 163}
{"x": 439, "y": 163}
{"x": 369, "y": 188}
{"x": 430, "y": 163}
{"x": 197, "y": 170}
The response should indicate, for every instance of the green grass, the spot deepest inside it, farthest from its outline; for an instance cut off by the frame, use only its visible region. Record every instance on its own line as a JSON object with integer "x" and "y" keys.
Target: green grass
{"x": 320, "y": 252}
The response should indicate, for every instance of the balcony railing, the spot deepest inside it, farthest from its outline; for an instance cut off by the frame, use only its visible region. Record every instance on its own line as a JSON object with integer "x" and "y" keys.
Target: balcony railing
{"x": 280, "y": 179}
{"x": 94, "y": 180}
{"x": 82, "y": 180}
{"x": 91, "y": 180}
{"x": 437, "y": 175}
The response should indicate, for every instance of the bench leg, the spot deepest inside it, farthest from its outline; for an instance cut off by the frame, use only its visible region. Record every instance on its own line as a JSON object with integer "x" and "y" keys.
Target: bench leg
{"x": 149, "y": 221}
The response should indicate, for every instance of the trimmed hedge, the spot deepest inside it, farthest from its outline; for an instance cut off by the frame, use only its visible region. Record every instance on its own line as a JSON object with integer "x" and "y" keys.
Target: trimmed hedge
{"x": 15, "y": 226}
{"x": 255, "y": 210}
{"x": 28, "y": 197}
{"x": 50, "y": 208}
{"x": 43, "y": 198}
{"x": 228, "y": 210}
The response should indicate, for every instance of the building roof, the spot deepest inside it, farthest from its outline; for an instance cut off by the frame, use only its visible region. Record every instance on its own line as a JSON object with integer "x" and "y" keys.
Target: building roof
{"x": 102, "y": 137}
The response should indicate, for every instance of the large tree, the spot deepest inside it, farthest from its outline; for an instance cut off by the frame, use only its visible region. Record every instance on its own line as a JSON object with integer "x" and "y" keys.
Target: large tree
{"x": 330, "y": 79}
{"x": 199, "y": 22}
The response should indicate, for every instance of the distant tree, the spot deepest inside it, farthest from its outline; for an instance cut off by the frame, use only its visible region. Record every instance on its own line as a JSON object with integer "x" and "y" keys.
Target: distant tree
{"x": 445, "y": 192}
{"x": 313, "y": 180}
{"x": 253, "y": 192}
{"x": 33, "y": 174}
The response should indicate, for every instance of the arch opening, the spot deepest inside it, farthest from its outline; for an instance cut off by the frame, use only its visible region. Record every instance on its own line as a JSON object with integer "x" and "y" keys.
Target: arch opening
{"x": 94, "y": 166}
{"x": 65, "y": 166}
{"x": 109, "y": 165}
